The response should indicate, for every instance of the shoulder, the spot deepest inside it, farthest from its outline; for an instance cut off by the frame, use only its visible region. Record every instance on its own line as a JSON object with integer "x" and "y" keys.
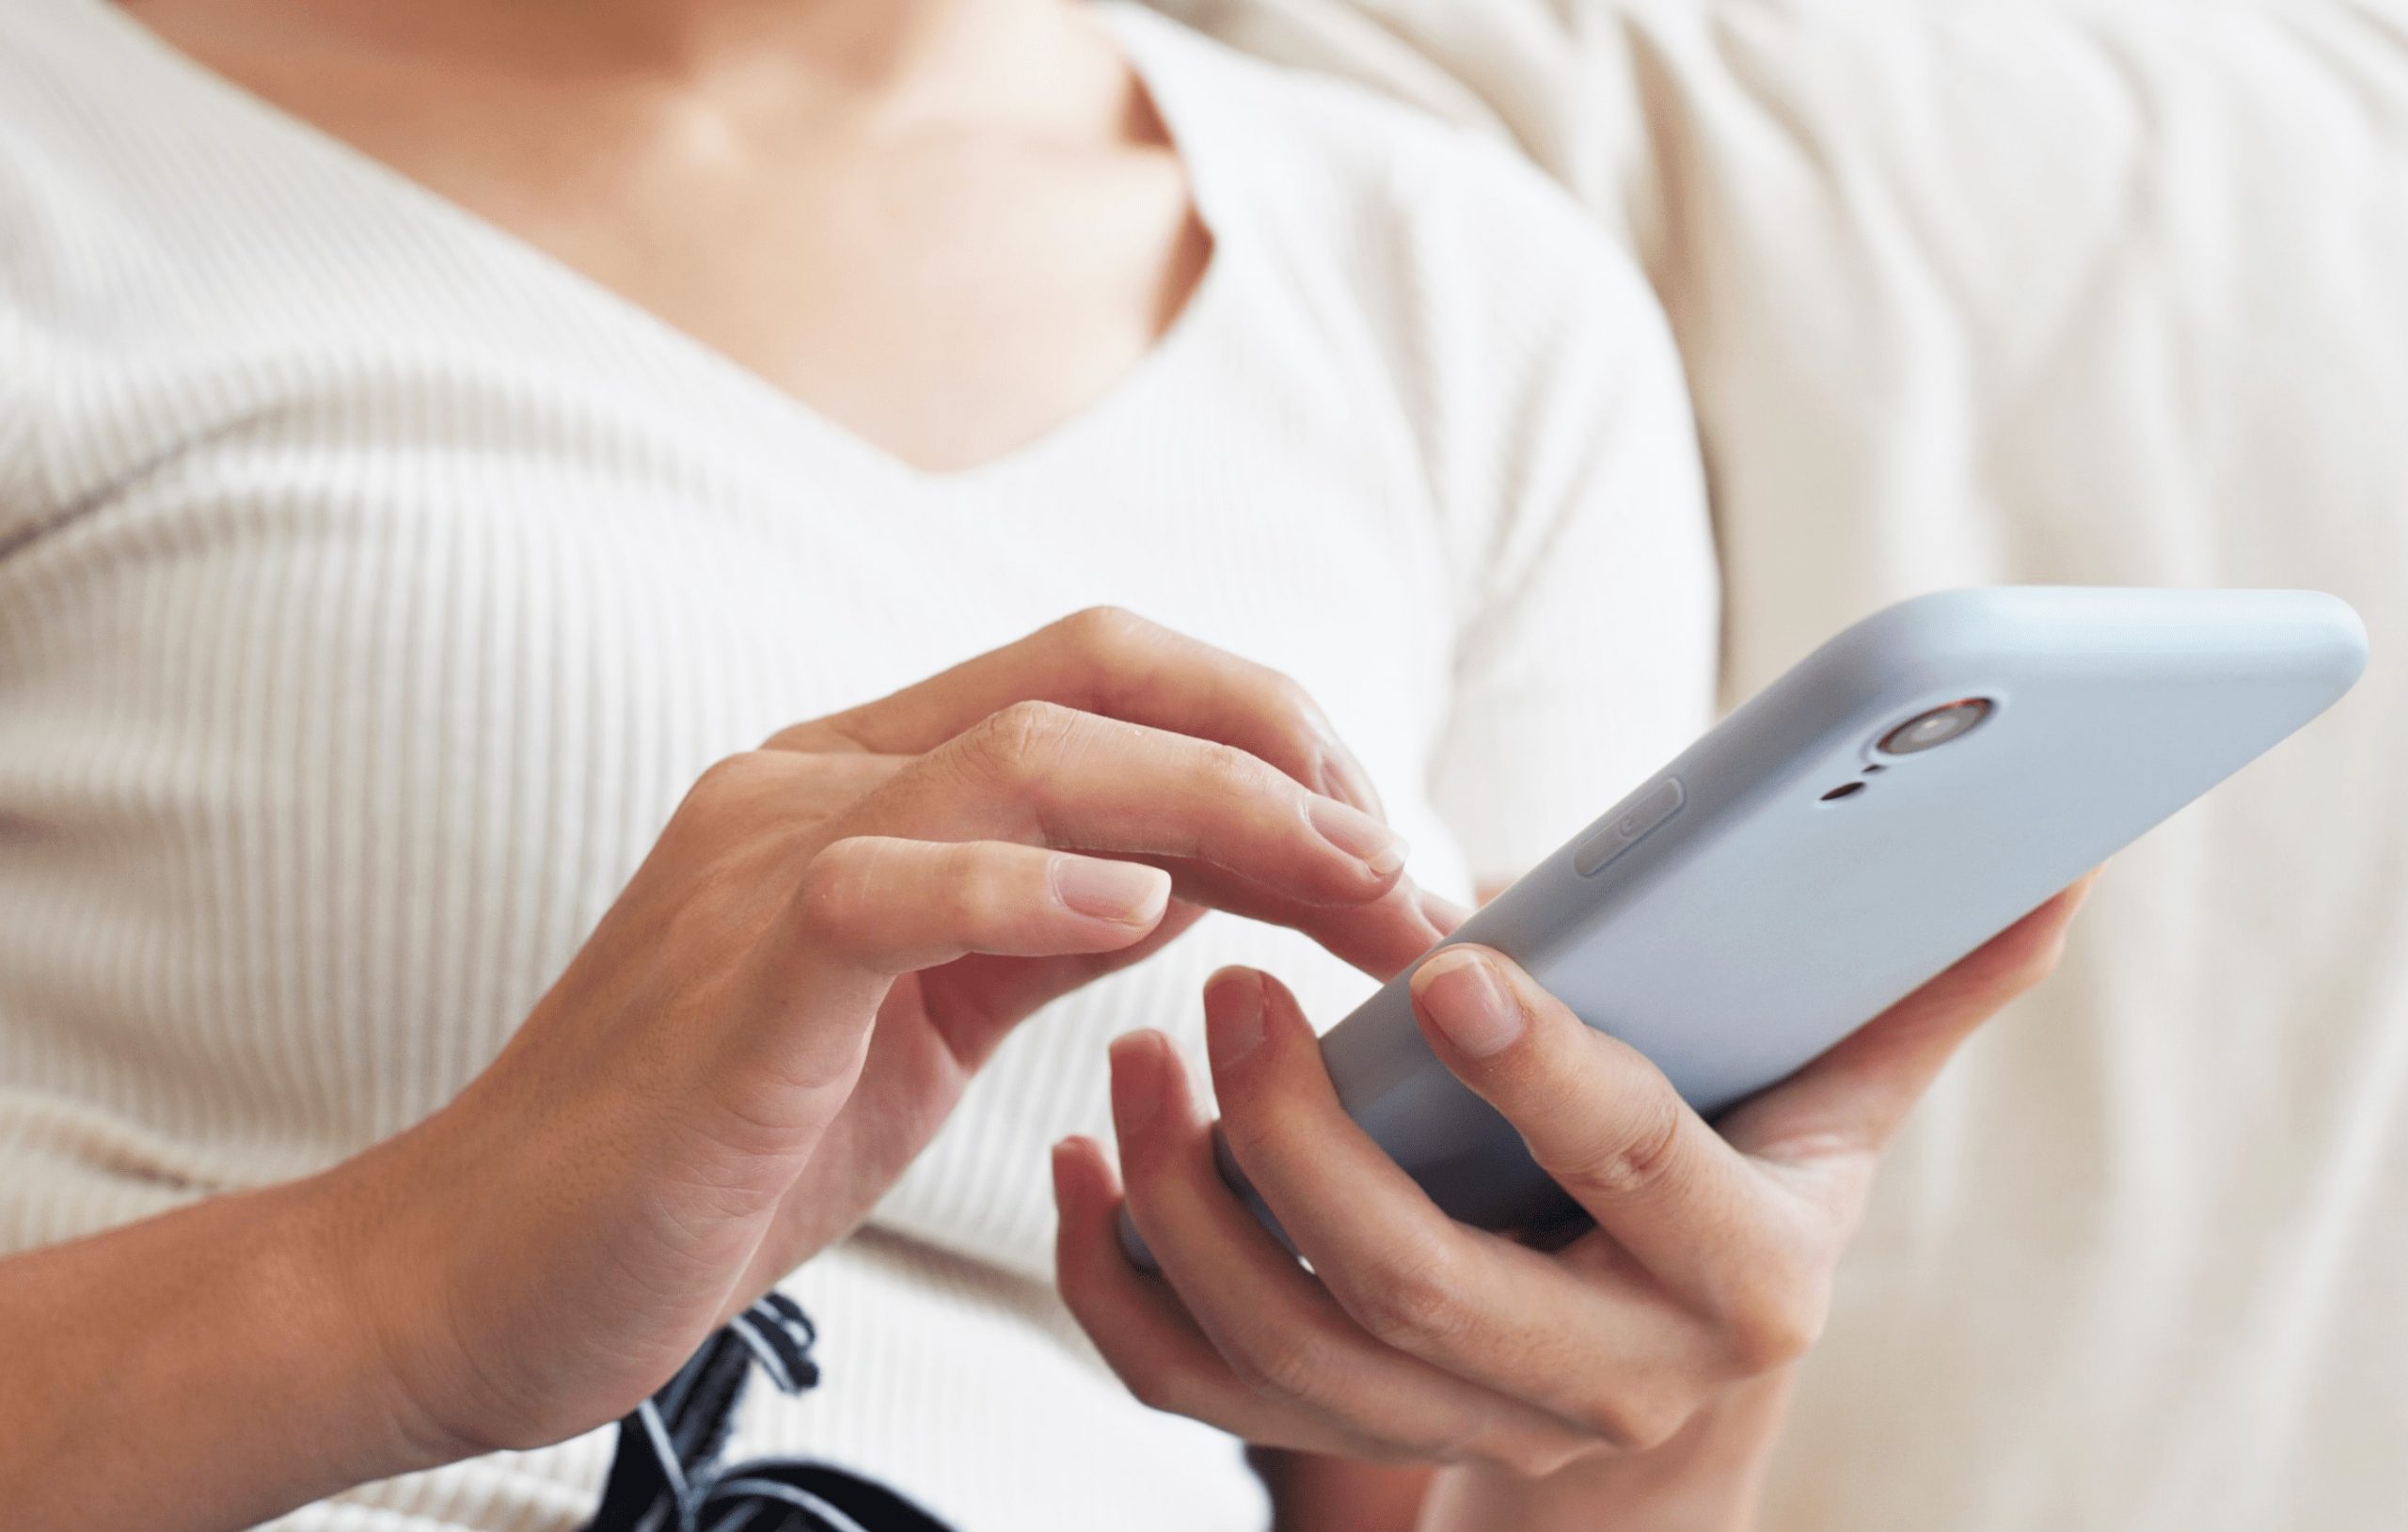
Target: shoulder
{"x": 1327, "y": 167}
{"x": 1477, "y": 317}
{"x": 1433, "y": 262}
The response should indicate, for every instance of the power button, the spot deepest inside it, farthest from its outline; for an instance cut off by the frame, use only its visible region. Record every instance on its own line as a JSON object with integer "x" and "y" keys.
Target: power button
{"x": 1629, "y": 824}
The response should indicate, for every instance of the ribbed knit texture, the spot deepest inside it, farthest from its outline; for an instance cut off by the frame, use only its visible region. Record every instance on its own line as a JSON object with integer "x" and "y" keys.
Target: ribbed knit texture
{"x": 372, "y": 585}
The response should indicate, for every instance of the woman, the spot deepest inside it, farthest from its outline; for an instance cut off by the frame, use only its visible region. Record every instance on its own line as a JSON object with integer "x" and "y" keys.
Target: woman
{"x": 438, "y": 440}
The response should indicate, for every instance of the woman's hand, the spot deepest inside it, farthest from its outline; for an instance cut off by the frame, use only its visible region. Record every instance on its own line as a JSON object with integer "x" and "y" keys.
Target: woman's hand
{"x": 1420, "y": 1340}
{"x": 828, "y": 938}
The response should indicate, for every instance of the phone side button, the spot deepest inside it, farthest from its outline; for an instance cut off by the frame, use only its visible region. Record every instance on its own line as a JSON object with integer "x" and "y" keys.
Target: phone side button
{"x": 1641, "y": 812}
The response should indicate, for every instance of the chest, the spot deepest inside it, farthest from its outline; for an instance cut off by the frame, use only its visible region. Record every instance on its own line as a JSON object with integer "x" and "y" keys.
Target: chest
{"x": 946, "y": 290}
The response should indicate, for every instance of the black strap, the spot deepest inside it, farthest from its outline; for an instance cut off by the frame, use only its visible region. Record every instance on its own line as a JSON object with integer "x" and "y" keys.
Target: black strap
{"x": 667, "y": 1477}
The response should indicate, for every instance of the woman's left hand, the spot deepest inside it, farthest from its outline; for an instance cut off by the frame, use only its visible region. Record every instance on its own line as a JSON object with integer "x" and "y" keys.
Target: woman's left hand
{"x": 1415, "y": 1338}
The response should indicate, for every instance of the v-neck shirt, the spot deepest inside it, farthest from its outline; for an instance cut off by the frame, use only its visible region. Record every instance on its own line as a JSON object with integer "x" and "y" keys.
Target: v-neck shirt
{"x": 372, "y": 585}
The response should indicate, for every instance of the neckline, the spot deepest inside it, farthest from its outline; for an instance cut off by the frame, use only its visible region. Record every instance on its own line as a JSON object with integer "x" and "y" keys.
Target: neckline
{"x": 1137, "y": 33}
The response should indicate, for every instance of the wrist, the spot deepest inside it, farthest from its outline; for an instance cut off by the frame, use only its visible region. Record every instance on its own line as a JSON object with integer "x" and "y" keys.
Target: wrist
{"x": 369, "y": 1266}
{"x": 356, "y": 1307}
{"x": 209, "y": 1367}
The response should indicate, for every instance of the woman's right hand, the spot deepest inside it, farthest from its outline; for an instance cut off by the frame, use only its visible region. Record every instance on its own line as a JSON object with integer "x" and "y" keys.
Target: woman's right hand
{"x": 831, "y": 935}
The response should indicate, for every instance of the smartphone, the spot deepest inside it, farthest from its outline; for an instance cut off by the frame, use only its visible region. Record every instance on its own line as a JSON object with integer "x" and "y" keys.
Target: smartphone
{"x": 1909, "y": 790}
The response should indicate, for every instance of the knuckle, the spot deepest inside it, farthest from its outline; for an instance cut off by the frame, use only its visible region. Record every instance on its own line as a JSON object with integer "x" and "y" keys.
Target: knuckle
{"x": 1102, "y": 649}
{"x": 1651, "y": 1428}
{"x": 1773, "y": 1328}
{"x": 831, "y": 886}
{"x": 1153, "y": 1381}
{"x": 1228, "y": 772}
{"x": 1634, "y": 1423}
{"x": 1105, "y": 631}
{"x": 1289, "y": 1368}
{"x": 1009, "y": 744}
{"x": 1288, "y": 697}
{"x": 1579, "y": 1449}
{"x": 1156, "y": 1389}
{"x": 734, "y": 779}
{"x": 1253, "y": 1136}
{"x": 1632, "y": 1159}
{"x": 980, "y": 892}
{"x": 1414, "y": 1303}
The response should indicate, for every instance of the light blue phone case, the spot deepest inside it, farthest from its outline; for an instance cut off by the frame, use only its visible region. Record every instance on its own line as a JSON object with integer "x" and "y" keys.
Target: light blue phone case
{"x": 1730, "y": 921}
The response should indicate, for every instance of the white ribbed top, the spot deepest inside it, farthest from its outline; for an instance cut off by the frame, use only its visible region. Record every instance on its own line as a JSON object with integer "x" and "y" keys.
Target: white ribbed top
{"x": 372, "y": 585}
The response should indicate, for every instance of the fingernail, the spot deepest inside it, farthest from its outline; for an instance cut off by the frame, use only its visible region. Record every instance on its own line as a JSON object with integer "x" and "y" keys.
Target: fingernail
{"x": 1461, "y": 994}
{"x": 1136, "y": 1083}
{"x": 1232, "y": 1016}
{"x": 1111, "y": 891}
{"x": 1357, "y": 834}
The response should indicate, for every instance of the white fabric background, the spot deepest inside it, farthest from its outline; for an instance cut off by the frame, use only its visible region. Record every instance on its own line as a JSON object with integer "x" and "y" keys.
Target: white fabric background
{"x": 2046, "y": 290}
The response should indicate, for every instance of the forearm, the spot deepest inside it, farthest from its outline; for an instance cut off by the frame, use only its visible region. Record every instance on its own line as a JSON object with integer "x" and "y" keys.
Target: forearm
{"x": 209, "y": 1367}
{"x": 1707, "y": 1478}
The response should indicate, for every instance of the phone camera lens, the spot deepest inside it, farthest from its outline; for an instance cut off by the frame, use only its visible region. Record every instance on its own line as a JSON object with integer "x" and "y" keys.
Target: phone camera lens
{"x": 1930, "y": 730}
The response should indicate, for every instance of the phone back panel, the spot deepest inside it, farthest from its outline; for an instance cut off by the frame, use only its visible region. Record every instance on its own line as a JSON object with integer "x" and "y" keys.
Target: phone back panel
{"x": 1760, "y": 922}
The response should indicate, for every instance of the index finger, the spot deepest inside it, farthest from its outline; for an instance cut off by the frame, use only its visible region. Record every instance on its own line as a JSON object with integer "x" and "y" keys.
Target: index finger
{"x": 1115, "y": 663}
{"x": 1604, "y": 1123}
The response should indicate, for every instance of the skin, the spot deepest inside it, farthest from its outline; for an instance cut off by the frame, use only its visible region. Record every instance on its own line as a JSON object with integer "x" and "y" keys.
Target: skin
{"x": 946, "y": 227}
{"x": 833, "y": 933}
{"x": 1637, "y": 1370}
